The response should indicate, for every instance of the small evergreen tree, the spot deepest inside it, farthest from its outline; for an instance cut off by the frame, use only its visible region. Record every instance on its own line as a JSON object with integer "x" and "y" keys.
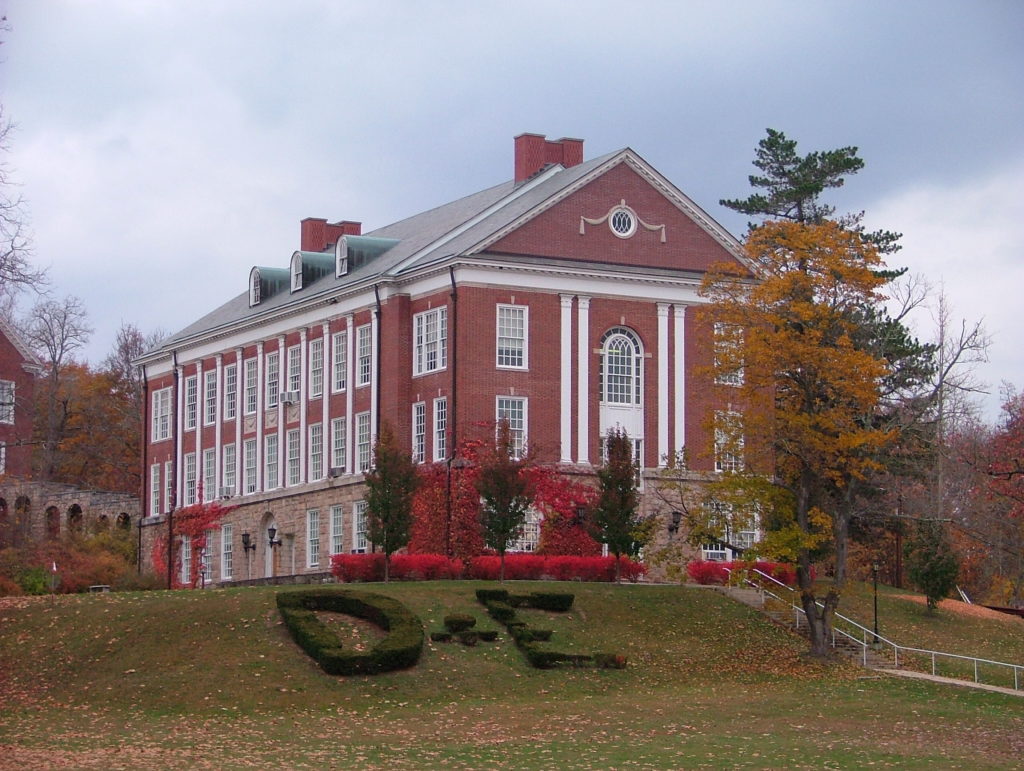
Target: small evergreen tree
{"x": 931, "y": 562}
{"x": 390, "y": 485}
{"x": 614, "y": 516}
{"x": 506, "y": 493}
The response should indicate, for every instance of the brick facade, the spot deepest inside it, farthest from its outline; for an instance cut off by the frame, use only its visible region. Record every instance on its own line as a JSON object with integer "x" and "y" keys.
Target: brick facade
{"x": 592, "y": 267}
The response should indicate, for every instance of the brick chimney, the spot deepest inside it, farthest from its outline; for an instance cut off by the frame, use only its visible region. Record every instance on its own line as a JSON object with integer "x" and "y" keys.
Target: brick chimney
{"x": 317, "y": 235}
{"x": 534, "y": 152}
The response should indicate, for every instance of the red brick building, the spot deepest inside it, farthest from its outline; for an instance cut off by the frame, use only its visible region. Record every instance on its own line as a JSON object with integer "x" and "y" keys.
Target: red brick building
{"x": 19, "y": 368}
{"x": 561, "y": 300}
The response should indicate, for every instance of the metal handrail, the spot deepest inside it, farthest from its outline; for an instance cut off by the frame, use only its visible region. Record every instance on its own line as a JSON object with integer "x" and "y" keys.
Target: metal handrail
{"x": 1016, "y": 669}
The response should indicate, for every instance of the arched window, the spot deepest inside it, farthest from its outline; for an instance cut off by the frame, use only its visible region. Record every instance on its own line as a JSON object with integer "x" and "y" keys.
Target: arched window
{"x": 296, "y": 271}
{"x": 254, "y": 287}
{"x": 52, "y": 522}
{"x": 75, "y": 518}
{"x": 123, "y": 520}
{"x": 621, "y": 371}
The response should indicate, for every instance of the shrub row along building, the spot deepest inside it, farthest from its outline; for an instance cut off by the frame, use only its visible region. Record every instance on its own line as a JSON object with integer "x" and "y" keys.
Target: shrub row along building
{"x": 561, "y": 301}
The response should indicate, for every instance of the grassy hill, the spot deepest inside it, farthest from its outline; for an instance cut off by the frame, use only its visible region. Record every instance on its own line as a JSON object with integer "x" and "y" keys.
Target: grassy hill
{"x": 196, "y": 679}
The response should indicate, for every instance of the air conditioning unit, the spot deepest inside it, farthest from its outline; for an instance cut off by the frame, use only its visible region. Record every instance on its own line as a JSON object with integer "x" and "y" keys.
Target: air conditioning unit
{"x": 335, "y": 472}
{"x": 227, "y": 492}
{"x": 289, "y": 397}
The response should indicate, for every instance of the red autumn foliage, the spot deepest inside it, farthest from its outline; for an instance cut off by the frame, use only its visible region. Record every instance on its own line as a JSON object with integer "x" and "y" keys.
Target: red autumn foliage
{"x": 432, "y": 531}
{"x": 716, "y": 572}
{"x": 564, "y": 503}
{"x": 192, "y": 521}
{"x": 518, "y": 567}
{"x": 404, "y": 567}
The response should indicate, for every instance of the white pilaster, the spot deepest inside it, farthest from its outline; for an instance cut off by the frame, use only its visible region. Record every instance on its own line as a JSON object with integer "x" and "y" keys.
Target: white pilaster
{"x": 679, "y": 379}
{"x": 663, "y": 370}
{"x": 350, "y": 382}
{"x": 325, "y": 420}
{"x": 565, "y": 400}
{"x": 303, "y": 397}
{"x": 260, "y": 401}
{"x": 583, "y": 384}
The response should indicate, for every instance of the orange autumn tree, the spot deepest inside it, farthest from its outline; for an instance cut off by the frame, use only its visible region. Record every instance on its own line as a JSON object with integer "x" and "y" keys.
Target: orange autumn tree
{"x": 811, "y": 386}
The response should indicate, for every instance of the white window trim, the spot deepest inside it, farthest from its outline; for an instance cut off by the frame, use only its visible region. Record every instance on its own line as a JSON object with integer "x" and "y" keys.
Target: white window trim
{"x": 419, "y": 432}
{"x": 364, "y": 332}
{"x": 272, "y": 386}
{"x": 313, "y": 538}
{"x": 339, "y": 362}
{"x": 421, "y": 346}
{"x": 161, "y": 415}
{"x": 210, "y": 397}
{"x": 519, "y": 441}
{"x": 227, "y": 551}
{"x": 525, "y": 339}
{"x": 191, "y": 402}
{"x": 337, "y": 514}
{"x": 230, "y": 392}
{"x": 316, "y": 373}
{"x": 272, "y": 471}
{"x": 440, "y": 431}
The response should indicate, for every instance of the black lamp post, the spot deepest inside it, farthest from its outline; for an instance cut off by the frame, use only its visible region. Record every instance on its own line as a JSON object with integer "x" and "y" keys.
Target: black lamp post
{"x": 271, "y": 533}
{"x": 248, "y": 546}
{"x": 874, "y": 576}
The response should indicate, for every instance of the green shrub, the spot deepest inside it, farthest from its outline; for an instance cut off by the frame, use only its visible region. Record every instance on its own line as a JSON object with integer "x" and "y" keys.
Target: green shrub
{"x": 501, "y": 612}
{"x": 488, "y": 635}
{"x": 484, "y": 596}
{"x": 459, "y": 622}
{"x": 400, "y": 649}
{"x": 440, "y": 636}
{"x": 468, "y": 637}
{"x": 553, "y": 601}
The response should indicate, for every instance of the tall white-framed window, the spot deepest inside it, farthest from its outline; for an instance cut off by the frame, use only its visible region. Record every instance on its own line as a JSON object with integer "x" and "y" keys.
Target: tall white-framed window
{"x": 364, "y": 454}
{"x": 270, "y": 480}
{"x": 161, "y": 417}
{"x": 621, "y": 369}
{"x": 728, "y": 441}
{"x": 339, "y": 361}
{"x": 513, "y": 410}
{"x": 190, "y": 479}
{"x": 528, "y": 537}
{"x": 209, "y": 397}
{"x": 294, "y": 465}
{"x": 337, "y": 528}
{"x": 364, "y": 354}
{"x": 512, "y": 345}
{"x": 728, "y": 352}
{"x": 168, "y": 486}
{"x": 249, "y": 459}
{"x": 296, "y": 271}
{"x": 313, "y": 538}
{"x": 419, "y": 432}
{"x": 227, "y": 551}
{"x": 191, "y": 401}
{"x": 7, "y": 401}
{"x": 430, "y": 341}
{"x": 154, "y": 490}
{"x": 738, "y": 534}
{"x": 316, "y": 368}
{"x": 209, "y": 474}
{"x": 440, "y": 428}
{"x": 338, "y": 454}
{"x": 294, "y": 368}
{"x": 230, "y": 391}
{"x": 251, "y": 386}
{"x": 273, "y": 378}
{"x": 186, "y": 559}
{"x": 229, "y": 471}
{"x": 360, "y": 542}
{"x": 316, "y": 452}
{"x": 206, "y": 556}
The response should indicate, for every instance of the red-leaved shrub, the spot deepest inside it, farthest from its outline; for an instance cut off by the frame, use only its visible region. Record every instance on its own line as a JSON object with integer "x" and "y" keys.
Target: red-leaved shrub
{"x": 714, "y": 572}
{"x": 425, "y": 567}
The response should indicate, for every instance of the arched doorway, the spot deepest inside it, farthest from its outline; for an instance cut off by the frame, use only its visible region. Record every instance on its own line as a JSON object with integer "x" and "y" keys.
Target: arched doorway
{"x": 52, "y": 522}
{"x": 75, "y": 518}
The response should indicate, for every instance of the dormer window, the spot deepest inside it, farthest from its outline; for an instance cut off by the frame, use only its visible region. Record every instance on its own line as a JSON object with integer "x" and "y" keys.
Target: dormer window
{"x": 341, "y": 257}
{"x": 254, "y": 287}
{"x": 296, "y": 271}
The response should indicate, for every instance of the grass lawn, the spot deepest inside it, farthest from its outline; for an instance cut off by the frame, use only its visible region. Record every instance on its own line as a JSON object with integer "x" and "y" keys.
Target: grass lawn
{"x": 210, "y": 679}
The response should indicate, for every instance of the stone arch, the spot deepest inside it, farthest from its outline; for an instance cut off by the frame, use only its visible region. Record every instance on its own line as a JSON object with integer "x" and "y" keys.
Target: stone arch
{"x": 75, "y": 518}
{"x": 123, "y": 521}
{"x": 52, "y": 522}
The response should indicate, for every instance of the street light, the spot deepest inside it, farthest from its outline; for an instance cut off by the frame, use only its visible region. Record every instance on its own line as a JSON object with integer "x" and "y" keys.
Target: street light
{"x": 874, "y": 576}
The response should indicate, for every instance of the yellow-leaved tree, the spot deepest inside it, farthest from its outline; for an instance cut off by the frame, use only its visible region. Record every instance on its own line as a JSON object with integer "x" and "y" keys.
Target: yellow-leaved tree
{"x": 809, "y": 389}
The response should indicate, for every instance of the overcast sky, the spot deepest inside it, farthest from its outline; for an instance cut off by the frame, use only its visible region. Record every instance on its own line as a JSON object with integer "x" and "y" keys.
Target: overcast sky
{"x": 164, "y": 147}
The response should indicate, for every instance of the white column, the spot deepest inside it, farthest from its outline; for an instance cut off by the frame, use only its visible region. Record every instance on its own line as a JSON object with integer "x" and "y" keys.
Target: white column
{"x": 374, "y": 364}
{"x": 583, "y": 385}
{"x": 350, "y": 383}
{"x": 325, "y": 424}
{"x": 179, "y": 438}
{"x": 679, "y": 381}
{"x": 663, "y": 369}
{"x": 565, "y": 401}
{"x": 200, "y": 403}
{"x": 218, "y": 415}
{"x": 303, "y": 397}
{"x": 260, "y": 397}
{"x": 239, "y": 416}
{"x": 282, "y": 434}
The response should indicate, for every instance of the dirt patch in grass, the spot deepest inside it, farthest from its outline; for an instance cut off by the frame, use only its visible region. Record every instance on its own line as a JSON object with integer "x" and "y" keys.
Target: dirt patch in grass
{"x": 356, "y": 634}
{"x": 962, "y": 608}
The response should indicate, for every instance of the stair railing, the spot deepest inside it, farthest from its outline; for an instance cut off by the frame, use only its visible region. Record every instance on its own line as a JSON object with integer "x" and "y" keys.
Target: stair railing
{"x": 865, "y": 640}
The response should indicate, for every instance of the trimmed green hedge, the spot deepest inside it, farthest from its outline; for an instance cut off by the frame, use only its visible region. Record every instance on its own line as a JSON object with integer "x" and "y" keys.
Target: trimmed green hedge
{"x": 400, "y": 649}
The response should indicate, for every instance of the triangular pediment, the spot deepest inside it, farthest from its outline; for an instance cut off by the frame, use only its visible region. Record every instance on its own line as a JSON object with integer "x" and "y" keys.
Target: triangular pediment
{"x": 622, "y": 213}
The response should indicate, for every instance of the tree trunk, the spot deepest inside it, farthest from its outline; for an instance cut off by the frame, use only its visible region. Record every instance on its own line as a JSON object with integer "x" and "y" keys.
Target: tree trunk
{"x": 618, "y": 569}
{"x": 387, "y": 567}
{"x": 501, "y": 568}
